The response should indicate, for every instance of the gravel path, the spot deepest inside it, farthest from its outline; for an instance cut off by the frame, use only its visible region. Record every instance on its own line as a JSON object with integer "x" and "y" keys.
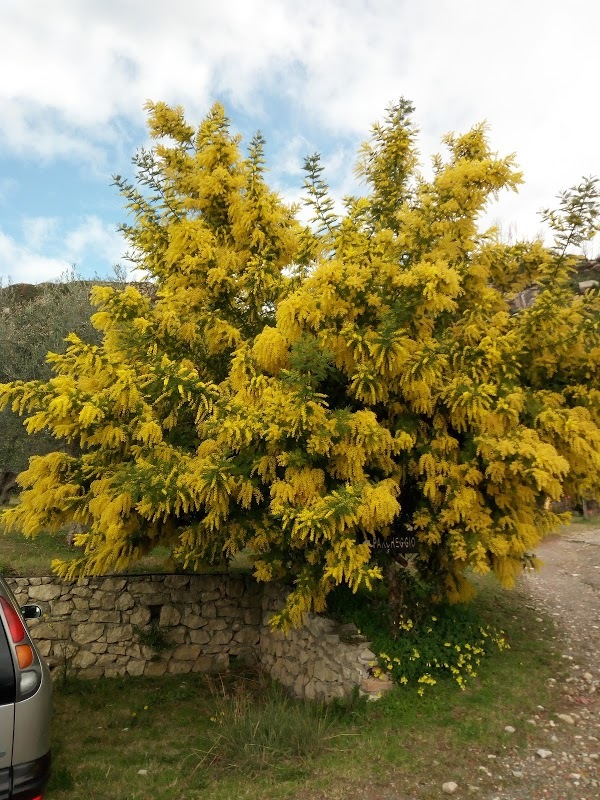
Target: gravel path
{"x": 562, "y": 761}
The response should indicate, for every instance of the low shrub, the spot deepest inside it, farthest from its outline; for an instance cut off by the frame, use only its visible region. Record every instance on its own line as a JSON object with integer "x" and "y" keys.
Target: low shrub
{"x": 431, "y": 642}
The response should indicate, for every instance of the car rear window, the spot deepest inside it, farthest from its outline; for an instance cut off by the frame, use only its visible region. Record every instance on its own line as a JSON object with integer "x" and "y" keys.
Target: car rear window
{"x": 7, "y": 672}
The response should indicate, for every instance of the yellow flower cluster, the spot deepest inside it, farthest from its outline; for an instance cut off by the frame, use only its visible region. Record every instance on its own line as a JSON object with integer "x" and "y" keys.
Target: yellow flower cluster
{"x": 293, "y": 392}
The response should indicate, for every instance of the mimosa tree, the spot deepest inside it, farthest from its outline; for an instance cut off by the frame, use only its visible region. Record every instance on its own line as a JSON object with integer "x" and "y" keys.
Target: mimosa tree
{"x": 300, "y": 393}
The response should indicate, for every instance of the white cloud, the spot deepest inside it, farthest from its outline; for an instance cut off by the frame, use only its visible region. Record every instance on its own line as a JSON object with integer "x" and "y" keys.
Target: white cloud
{"x": 39, "y": 231}
{"x": 78, "y": 73}
{"x": 20, "y": 264}
{"x": 94, "y": 236}
{"x": 48, "y": 249}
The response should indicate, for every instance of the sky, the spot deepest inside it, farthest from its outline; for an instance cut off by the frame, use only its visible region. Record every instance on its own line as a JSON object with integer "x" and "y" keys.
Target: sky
{"x": 311, "y": 75}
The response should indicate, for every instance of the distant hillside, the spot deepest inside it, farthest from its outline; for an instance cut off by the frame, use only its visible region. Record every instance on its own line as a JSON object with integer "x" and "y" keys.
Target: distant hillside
{"x": 18, "y": 294}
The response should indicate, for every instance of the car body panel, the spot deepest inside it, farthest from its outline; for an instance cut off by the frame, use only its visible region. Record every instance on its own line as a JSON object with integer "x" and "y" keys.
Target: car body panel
{"x": 32, "y": 723}
{"x": 24, "y": 714}
{"x": 7, "y": 701}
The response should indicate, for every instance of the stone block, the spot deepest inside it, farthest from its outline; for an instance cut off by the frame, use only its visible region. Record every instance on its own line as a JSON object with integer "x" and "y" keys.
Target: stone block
{"x": 319, "y": 626}
{"x": 298, "y": 686}
{"x": 222, "y": 637}
{"x": 178, "y": 635}
{"x": 310, "y": 692}
{"x": 107, "y": 601}
{"x": 204, "y": 664}
{"x": 217, "y": 625}
{"x": 366, "y": 656}
{"x": 135, "y": 667}
{"x": 180, "y": 597}
{"x": 169, "y": 616}
{"x": 87, "y": 632}
{"x": 176, "y": 581}
{"x": 44, "y": 647}
{"x": 248, "y": 636}
{"x": 106, "y": 659}
{"x": 100, "y": 615}
{"x": 81, "y": 591}
{"x": 324, "y": 673}
{"x": 45, "y": 592}
{"x": 134, "y": 651}
{"x": 209, "y": 597}
{"x": 140, "y": 616}
{"x": 142, "y": 587}
{"x": 251, "y": 601}
{"x": 186, "y": 652}
{"x": 114, "y": 584}
{"x": 119, "y": 633}
{"x": 179, "y": 667}
{"x": 377, "y": 685}
{"x": 155, "y": 669}
{"x": 228, "y": 611}
{"x": 209, "y": 610}
{"x": 124, "y": 601}
{"x": 222, "y": 662}
{"x": 50, "y": 630}
{"x": 200, "y": 636}
{"x": 303, "y": 656}
{"x": 114, "y": 672}
{"x": 61, "y": 608}
{"x": 252, "y": 616}
{"x": 83, "y": 659}
{"x": 92, "y": 673}
{"x": 193, "y": 621}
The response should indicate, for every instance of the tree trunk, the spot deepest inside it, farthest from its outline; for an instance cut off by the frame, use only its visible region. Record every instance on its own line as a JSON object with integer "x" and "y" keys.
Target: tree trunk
{"x": 395, "y": 587}
{"x": 8, "y": 482}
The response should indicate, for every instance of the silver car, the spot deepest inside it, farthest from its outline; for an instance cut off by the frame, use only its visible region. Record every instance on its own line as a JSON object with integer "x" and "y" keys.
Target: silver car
{"x": 25, "y": 705}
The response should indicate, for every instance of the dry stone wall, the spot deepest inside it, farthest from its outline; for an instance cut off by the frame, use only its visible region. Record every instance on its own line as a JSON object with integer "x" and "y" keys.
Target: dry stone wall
{"x": 144, "y": 625}
{"x": 171, "y": 624}
{"x": 321, "y": 660}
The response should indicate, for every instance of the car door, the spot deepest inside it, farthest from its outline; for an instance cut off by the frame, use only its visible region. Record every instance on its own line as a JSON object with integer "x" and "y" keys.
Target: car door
{"x": 7, "y": 712}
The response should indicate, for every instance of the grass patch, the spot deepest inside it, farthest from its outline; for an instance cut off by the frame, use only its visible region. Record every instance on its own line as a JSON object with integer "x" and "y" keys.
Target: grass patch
{"x": 33, "y": 556}
{"x": 579, "y": 519}
{"x": 240, "y": 736}
{"x": 189, "y": 734}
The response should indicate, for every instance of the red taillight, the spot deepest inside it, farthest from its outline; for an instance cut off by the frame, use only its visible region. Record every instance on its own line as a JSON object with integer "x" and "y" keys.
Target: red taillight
{"x": 15, "y": 626}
